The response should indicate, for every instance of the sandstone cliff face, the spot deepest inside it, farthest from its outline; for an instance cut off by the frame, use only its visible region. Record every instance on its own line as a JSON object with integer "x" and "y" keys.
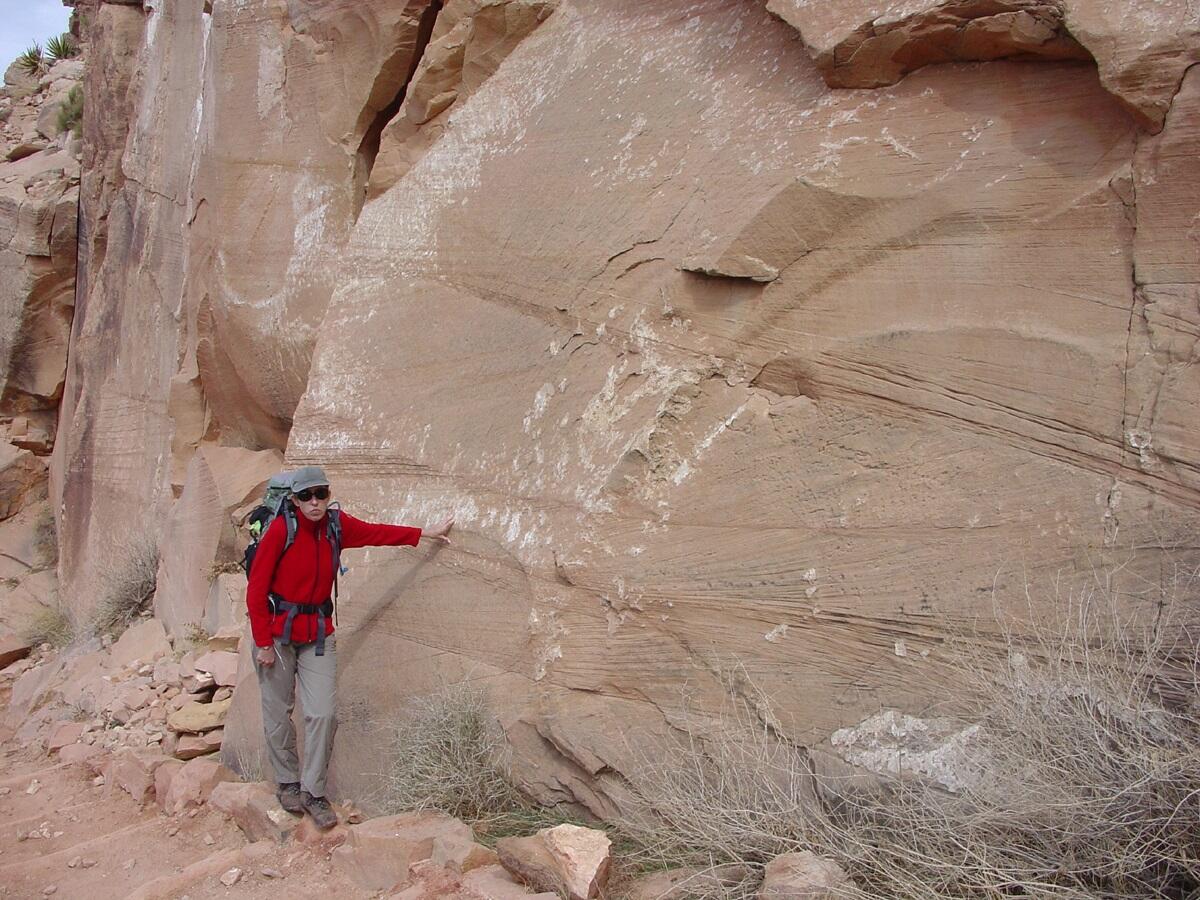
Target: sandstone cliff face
{"x": 733, "y": 335}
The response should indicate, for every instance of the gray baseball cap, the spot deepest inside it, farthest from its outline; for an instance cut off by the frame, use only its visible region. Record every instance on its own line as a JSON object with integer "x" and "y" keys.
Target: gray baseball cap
{"x": 308, "y": 477}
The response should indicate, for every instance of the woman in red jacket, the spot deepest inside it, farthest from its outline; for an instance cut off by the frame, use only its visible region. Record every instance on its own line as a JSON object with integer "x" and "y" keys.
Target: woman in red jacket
{"x": 288, "y": 599}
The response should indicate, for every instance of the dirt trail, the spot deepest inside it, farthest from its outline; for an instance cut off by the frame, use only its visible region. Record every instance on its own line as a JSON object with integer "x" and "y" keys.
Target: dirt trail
{"x": 94, "y": 842}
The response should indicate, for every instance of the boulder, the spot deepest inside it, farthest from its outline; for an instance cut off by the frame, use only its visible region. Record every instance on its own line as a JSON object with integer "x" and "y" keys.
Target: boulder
{"x": 87, "y": 755}
{"x": 87, "y": 683}
{"x": 584, "y": 857}
{"x": 163, "y": 776}
{"x": 62, "y": 734}
{"x": 190, "y": 746}
{"x": 127, "y": 700}
{"x": 142, "y": 642}
{"x": 803, "y": 876}
{"x": 166, "y": 672}
{"x": 198, "y": 717}
{"x": 378, "y": 852}
{"x": 531, "y": 862}
{"x": 32, "y": 689}
{"x": 568, "y": 859}
{"x": 193, "y": 784}
{"x": 228, "y": 637}
{"x": 133, "y": 772}
{"x": 12, "y": 648}
{"x": 255, "y": 809}
{"x": 222, "y": 665}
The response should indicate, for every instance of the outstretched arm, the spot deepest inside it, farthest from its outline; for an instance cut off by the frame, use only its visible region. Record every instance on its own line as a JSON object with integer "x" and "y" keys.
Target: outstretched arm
{"x": 357, "y": 533}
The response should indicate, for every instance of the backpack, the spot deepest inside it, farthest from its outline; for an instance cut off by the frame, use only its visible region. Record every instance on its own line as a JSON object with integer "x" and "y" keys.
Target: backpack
{"x": 275, "y": 503}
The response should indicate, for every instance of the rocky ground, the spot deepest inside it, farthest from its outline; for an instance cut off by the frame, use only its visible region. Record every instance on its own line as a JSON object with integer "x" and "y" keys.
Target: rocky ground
{"x": 111, "y": 787}
{"x": 69, "y": 833}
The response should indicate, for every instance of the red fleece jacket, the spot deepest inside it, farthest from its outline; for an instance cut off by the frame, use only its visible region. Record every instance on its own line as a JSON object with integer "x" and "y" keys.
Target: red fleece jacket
{"x": 304, "y": 573}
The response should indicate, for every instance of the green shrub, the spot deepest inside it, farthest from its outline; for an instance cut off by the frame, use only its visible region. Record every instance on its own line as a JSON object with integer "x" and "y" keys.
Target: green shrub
{"x": 70, "y": 112}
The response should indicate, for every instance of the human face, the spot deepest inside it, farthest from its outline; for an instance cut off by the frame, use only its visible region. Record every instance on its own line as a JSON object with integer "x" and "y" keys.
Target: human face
{"x": 314, "y": 507}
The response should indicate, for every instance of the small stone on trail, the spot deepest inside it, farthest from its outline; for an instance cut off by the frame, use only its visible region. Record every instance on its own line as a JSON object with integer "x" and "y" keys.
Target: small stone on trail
{"x": 74, "y": 862}
{"x": 50, "y": 891}
{"x": 172, "y": 831}
{"x": 98, "y": 781}
{"x": 192, "y": 813}
{"x": 271, "y": 873}
{"x": 4, "y": 792}
{"x": 209, "y": 840}
{"x": 88, "y": 863}
{"x": 129, "y": 864}
{"x": 230, "y": 878}
{"x": 34, "y": 787}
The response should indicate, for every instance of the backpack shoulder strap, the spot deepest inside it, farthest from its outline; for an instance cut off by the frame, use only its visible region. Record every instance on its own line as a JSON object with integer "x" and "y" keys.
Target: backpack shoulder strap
{"x": 334, "y": 530}
{"x": 289, "y": 518}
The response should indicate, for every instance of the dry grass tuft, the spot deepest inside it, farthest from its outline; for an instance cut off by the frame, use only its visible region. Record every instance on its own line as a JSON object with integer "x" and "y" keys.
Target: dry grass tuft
{"x": 449, "y": 753}
{"x": 127, "y": 585}
{"x": 50, "y": 625}
{"x": 45, "y": 538}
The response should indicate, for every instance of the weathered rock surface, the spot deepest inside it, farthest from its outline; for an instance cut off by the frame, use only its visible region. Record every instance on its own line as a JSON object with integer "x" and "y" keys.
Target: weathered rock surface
{"x": 22, "y": 479}
{"x": 218, "y": 481}
{"x": 12, "y": 648}
{"x": 1142, "y": 48}
{"x": 712, "y": 363}
{"x": 143, "y": 642}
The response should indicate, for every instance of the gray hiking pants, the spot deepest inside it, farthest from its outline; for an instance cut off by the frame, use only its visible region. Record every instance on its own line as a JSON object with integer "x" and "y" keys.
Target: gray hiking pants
{"x": 317, "y": 677}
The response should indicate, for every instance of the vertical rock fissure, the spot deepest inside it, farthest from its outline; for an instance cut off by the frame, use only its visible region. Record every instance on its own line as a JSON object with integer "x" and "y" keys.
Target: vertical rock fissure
{"x": 368, "y": 147}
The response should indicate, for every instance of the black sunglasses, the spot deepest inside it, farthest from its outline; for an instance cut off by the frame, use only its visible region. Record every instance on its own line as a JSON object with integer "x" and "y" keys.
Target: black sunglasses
{"x": 321, "y": 493}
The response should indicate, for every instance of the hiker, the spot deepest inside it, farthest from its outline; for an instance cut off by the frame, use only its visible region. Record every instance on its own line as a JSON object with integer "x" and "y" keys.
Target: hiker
{"x": 289, "y": 598}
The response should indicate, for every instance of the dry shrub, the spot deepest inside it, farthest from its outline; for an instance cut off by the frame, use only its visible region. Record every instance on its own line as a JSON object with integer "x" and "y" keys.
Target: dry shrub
{"x": 126, "y": 585}
{"x": 1083, "y": 779}
{"x": 448, "y": 753}
{"x": 50, "y": 625}
{"x": 726, "y": 788}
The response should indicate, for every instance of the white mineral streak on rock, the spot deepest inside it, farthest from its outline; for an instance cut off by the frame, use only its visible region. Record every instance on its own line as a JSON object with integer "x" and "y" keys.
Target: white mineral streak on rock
{"x": 893, "y": 743}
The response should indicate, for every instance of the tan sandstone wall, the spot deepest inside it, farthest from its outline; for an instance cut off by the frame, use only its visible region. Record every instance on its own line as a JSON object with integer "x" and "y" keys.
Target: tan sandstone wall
{"x": 717, "y": 366}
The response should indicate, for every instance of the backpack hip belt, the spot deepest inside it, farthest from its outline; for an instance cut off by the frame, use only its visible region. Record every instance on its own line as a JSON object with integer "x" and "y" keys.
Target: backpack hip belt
{"x": 321, "y": 610}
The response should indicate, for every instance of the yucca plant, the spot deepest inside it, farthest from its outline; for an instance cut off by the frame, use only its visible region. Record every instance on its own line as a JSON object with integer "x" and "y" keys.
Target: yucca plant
{"x": 33, "y": 61}
{"x": 61, "y": 46}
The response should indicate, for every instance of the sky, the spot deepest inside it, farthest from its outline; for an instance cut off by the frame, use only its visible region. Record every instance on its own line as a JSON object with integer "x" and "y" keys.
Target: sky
{"x": 24, "y": 21}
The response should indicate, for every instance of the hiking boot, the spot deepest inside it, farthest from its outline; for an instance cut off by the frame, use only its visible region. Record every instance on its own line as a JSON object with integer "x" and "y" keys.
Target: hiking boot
{"x": 322, "y": 813}
{"x": 289, "y": 798}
